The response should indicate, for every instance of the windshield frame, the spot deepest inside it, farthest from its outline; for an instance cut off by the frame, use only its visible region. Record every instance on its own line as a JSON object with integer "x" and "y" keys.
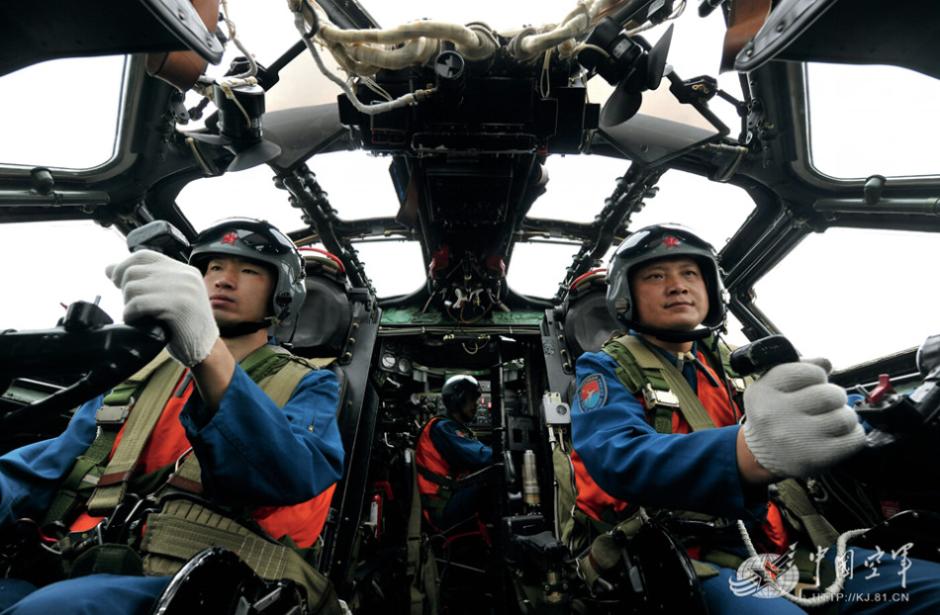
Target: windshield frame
{"x": 802, "y": 165}
{"x": 132, "y": 77}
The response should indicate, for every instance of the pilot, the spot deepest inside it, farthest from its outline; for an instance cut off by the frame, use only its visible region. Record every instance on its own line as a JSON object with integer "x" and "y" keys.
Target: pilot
{"x": 224, "y": 439}
{"x": 447, "y": 450}
{"x": 657, "y": 424}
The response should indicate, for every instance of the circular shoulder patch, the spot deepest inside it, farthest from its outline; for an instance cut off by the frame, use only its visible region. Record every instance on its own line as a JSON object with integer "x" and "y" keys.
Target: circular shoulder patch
{"x": 593, "y": 392}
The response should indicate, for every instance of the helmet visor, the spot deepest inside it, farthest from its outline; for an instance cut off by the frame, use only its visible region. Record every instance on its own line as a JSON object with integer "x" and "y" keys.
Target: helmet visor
{"x": 252, "y": 234}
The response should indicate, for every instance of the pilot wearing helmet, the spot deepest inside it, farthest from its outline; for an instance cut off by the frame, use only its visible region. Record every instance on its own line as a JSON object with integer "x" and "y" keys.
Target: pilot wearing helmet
{"x": 447, "y": 450}
{"x": 222, "y": 440}
{"x": 657, "y": 423}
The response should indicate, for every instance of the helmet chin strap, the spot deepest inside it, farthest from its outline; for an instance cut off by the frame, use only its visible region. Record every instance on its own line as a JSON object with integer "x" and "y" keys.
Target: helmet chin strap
{"x": 243, "y": 328}
{"x": 671, "y": 335}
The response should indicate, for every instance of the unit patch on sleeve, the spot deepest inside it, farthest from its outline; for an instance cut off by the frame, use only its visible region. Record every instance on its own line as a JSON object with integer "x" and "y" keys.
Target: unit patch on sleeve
{"x": 593, "y": 392}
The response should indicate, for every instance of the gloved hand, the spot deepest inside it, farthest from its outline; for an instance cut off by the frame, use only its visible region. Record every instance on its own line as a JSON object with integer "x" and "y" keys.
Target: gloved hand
{"x": 173, "y": 293}
{"x": 798, "y": 423}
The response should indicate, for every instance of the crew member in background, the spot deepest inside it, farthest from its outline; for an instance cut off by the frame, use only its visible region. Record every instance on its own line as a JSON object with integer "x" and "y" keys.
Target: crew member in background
{"x": 447, "y": 450}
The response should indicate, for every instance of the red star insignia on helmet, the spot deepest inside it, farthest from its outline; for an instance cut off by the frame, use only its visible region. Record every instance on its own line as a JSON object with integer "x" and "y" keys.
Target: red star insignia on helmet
{"x": 230, "y": 237}
{"x": 670, "y": 242}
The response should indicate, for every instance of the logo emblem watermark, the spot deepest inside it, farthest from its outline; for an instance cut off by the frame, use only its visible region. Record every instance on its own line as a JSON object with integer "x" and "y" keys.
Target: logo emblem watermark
{"x": 757, "y": 575}
{"x": 768, "y": 575}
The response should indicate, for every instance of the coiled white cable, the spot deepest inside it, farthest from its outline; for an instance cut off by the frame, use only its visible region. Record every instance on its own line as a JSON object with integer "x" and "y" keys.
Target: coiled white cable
{"x": 362, "y": 52}
{"x": 830, "y": 593}
{"x": 402, "y": 101}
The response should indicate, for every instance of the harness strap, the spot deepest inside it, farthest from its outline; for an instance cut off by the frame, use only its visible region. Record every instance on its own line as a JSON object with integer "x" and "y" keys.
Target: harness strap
{"x": 438, "y": 479}
{"x": 88, "y": 468}
{"x": 797, "y": 502}
{"x": 184, "y": 528}
{"x": 122, "y": 394}
{"x": 82, "y": 478}
{"x": 112, "y": 485}
{"x": 660, "y": 376}
{"x": 273, "y": 368}
{"x": 278, "y": 384}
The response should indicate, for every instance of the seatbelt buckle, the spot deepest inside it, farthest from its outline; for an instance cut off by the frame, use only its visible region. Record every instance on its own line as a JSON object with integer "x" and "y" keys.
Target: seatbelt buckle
{"x": 74, "y": 544}
{"x": 113, "y": 416}
{"x": 654, "y": 398}
{"x": 112, "y": 529}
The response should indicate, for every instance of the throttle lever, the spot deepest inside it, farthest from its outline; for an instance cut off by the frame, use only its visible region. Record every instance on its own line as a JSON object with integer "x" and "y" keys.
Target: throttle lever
{"x": 763, "y": 354}
{"x": 770, "y": 351}
{"x": 159, "y": 236}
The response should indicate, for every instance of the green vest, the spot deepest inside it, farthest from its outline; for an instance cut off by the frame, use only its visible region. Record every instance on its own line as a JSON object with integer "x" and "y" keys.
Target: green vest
{"x": 183, "y": 526}
{"x": 643, "y": 371}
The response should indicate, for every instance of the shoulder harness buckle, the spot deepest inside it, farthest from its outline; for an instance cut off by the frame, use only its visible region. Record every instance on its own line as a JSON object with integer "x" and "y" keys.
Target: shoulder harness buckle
{"x": 113, "y": 416}
{"x": 653, "y": 397}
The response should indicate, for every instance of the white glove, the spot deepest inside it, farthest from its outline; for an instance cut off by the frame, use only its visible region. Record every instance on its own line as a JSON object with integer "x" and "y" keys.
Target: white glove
{"x": 173, "y": 293}
{"x": 798, "y": 424}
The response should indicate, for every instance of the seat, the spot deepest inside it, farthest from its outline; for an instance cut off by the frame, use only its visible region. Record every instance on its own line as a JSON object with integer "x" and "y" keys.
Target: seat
{"x": 585, "y": 319}
{"x": 336, "y": 328}
{"x": 580, "y": 324}
{"x": 217, "y": 581}
{"x": 323, "y": 323}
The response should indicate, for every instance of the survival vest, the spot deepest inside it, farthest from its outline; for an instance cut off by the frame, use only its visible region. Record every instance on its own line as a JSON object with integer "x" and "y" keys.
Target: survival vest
{"x": 436, "y": 481}
{"x": 182, "y": 524}
{"x": 672, "y": 406}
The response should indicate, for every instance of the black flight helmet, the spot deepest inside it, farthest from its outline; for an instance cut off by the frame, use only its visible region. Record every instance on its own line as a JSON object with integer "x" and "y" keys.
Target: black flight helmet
{"x": 260, "y": 242}
{"x": 457, "y": 390}
{"x": 660, "y": 242}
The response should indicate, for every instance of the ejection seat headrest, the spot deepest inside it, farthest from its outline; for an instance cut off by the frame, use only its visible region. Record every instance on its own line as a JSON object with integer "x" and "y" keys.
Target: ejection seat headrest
{"x": 587, "y": 322}
{"x": 323, "y": 324}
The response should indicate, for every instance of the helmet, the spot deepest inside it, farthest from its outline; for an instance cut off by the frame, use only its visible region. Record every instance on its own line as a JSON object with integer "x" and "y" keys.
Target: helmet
{"x": 659, "y": 242}
{"x": 458, "y": 389}
{"x": 260, "y": 242}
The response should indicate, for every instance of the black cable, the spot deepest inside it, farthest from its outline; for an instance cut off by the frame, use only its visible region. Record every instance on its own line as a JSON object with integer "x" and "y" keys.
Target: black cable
{"x": 315, "y": 21}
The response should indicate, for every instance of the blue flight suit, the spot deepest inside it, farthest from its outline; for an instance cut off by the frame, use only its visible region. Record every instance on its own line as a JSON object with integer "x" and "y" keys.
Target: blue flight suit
{"x": 698, "y": 471}
{"x": 251, "y": 452}
{"x": 464, "y": 455}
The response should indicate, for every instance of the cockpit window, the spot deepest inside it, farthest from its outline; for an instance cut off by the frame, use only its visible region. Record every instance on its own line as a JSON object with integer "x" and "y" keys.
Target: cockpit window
{"x": 357, "y": 184}
{"x": 714, "y": 211}
{"x": 249, "y": 193}
{"x": 537, "y": 268}
{"x": 867, "y": 120}
{"x": 394, "y": 266}
{"x": 577, "y": 187}
{"x": 853, "y": 295}
{"x": 57, "y": 263}
{"x": 62, "y": 113}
